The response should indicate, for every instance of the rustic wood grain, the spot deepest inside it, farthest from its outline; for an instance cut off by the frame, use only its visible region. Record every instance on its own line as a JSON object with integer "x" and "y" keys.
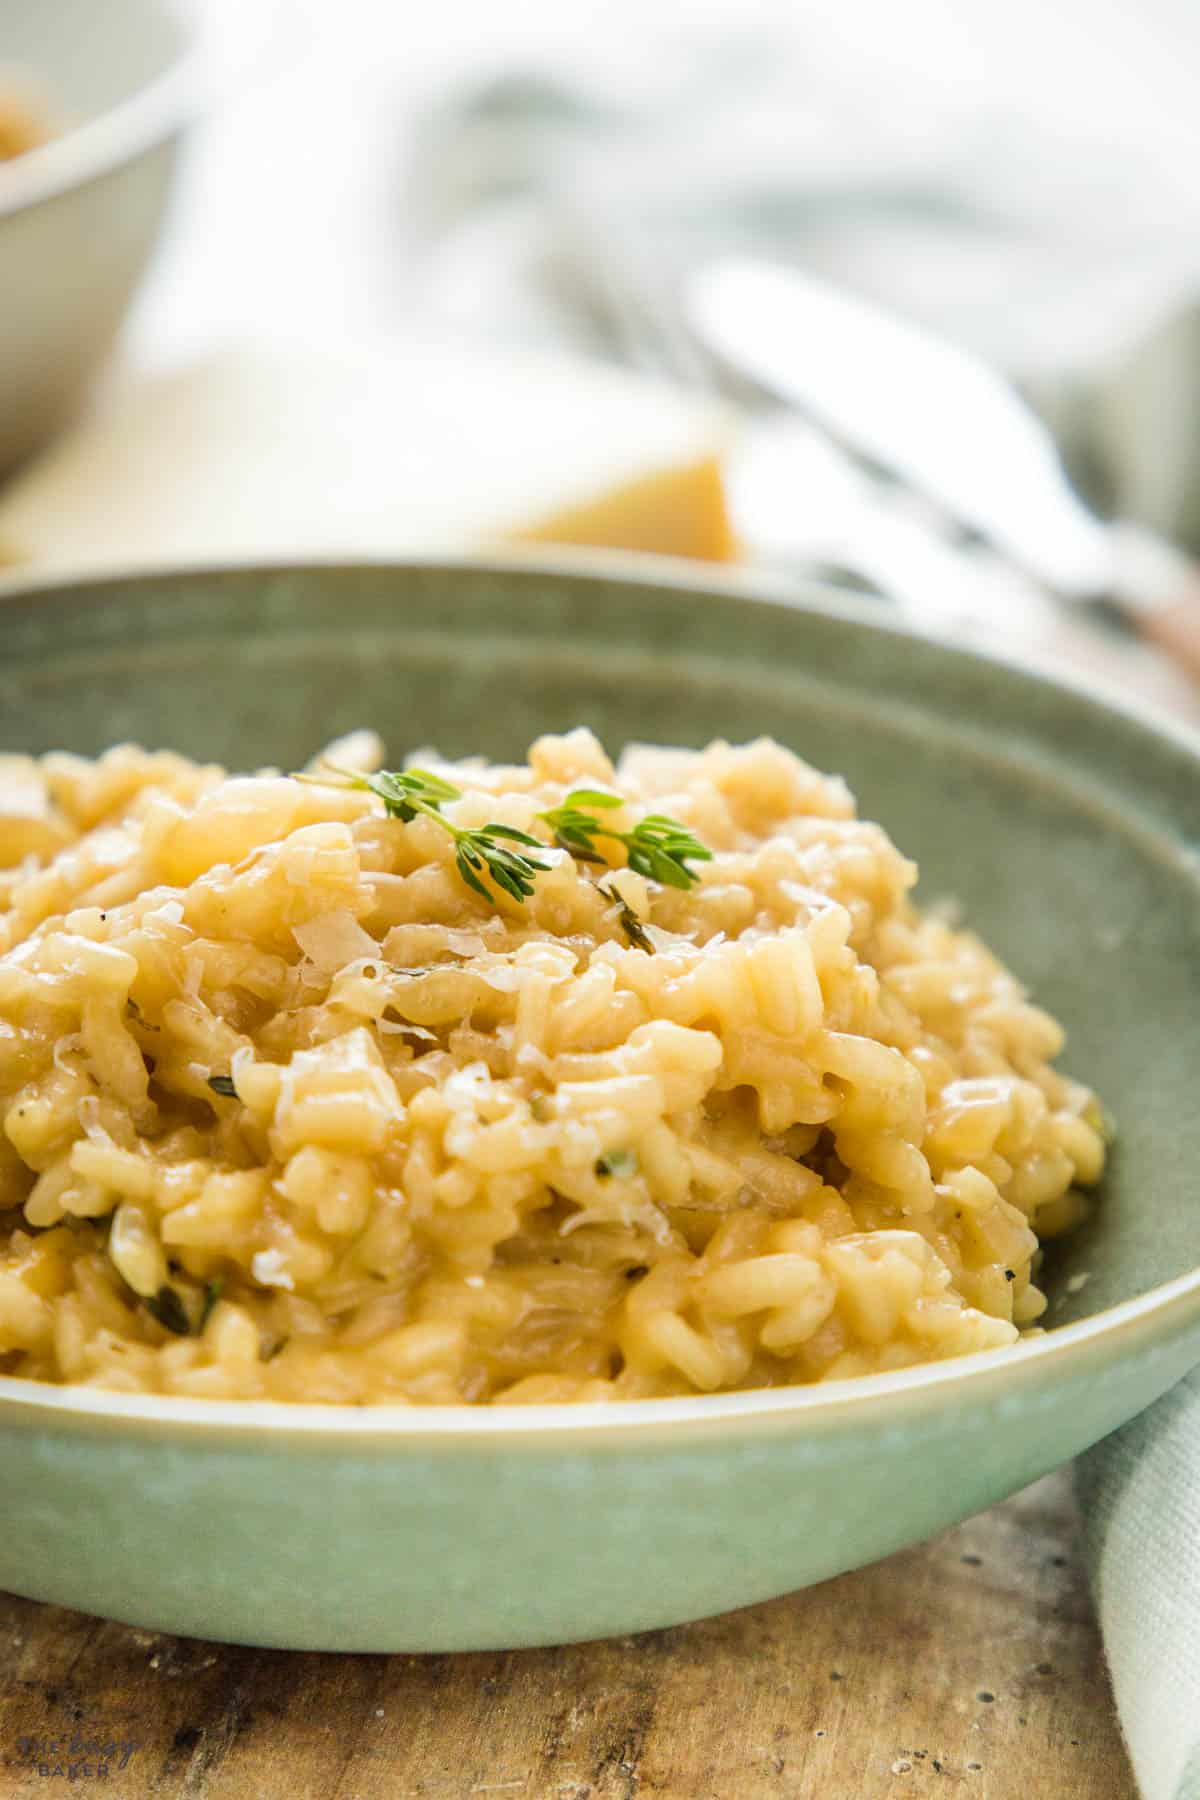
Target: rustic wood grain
{"x": 968, "y": 1666}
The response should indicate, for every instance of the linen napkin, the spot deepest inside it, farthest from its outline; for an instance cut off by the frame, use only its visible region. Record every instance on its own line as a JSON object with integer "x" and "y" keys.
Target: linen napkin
{"x": 1139, "y": 1493}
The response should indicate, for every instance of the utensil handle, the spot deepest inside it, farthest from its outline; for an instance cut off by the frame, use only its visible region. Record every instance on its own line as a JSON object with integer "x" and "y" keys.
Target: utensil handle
{"x": 1175, "y": 629}
{"x": 1157, "y": 589}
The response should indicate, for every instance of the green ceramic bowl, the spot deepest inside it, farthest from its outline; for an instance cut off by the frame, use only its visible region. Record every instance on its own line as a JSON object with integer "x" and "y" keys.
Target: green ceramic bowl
{"x": 1069, "y": 832}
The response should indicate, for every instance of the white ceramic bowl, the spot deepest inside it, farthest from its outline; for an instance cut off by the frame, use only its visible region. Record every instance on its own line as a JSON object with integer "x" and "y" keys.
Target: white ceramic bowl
{"x": 80, "y": 214}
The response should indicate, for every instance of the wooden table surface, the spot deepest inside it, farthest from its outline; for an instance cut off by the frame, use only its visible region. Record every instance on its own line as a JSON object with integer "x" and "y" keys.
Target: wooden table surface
{"x": 970, "y": 1666}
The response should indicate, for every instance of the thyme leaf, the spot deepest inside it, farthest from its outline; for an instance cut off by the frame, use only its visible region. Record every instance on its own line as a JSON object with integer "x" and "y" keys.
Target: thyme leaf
{"x": 658, "y": 847}
{"x": 617, "y": 1162}
{"x": 406, "y": 792}
{"x": 212, "y": 1294}
{"x": 168, "y": 1309}
{"x": 628, "y": 920}
{"x": 661, "y": 848}
{"x": 478, "y": 850}
{"x": 574, "y": 829}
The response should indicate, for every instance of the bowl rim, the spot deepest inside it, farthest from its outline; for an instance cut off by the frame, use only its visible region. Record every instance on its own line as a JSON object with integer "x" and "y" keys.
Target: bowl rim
{"x": 153, "y": 112}
{"x": 982, "y": 1377}
{"x": 684, "y": 575}
{"x": 1140, "y": 1322}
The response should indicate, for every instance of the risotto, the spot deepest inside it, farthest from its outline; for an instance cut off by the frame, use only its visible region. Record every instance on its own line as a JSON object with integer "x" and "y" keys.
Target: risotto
{"x": 552, "y": 1082}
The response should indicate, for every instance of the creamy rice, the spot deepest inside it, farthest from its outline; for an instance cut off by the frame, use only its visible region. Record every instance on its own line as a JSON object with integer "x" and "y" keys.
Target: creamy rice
{"x": 289, "y": 1111}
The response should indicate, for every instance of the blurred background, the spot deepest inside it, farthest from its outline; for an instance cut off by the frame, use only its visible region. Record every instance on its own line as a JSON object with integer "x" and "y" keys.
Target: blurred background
{"x": 479, "y": 212}
{"x": 1021, "y": 178}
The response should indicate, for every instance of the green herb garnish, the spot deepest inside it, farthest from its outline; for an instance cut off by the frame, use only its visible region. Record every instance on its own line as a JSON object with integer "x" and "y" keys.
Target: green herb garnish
{"x": 658, "y": 847}
{"x": 406, "y": 792}
{"x": 661, "y": 848}
{"x": 168, "y": 1309}
{"x": 617, "y": 1162}
{"x": 629, "y": 922}
{"x": 477, "y": 850}
{"x": 223, "y": 1084}
{"x": 212, "y": 1294}
{"x": 574, "y": 829}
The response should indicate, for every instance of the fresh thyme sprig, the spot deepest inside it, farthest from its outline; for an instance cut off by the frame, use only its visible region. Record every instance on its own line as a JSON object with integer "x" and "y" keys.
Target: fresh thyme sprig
{"x": 575, "y": 829}
{"x": 477, "y": 849}
{"x": 628, "y": 920}
{"x": 658, "y": 847}
{"x": 406, "y": 792}
{"x": 169, "y": 1310}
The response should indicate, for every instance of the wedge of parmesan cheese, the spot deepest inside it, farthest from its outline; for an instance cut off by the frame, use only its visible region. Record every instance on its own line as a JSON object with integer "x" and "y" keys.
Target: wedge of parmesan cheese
{"x": 252, "y": 452}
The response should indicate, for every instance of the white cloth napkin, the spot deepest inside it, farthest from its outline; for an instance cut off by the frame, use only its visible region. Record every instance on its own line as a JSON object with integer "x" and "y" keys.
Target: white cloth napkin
{"x": 1139, "y": 1493}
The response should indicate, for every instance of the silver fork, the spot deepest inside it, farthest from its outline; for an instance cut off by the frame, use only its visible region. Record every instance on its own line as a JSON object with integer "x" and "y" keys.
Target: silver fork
{"x": 801, "y": 505}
